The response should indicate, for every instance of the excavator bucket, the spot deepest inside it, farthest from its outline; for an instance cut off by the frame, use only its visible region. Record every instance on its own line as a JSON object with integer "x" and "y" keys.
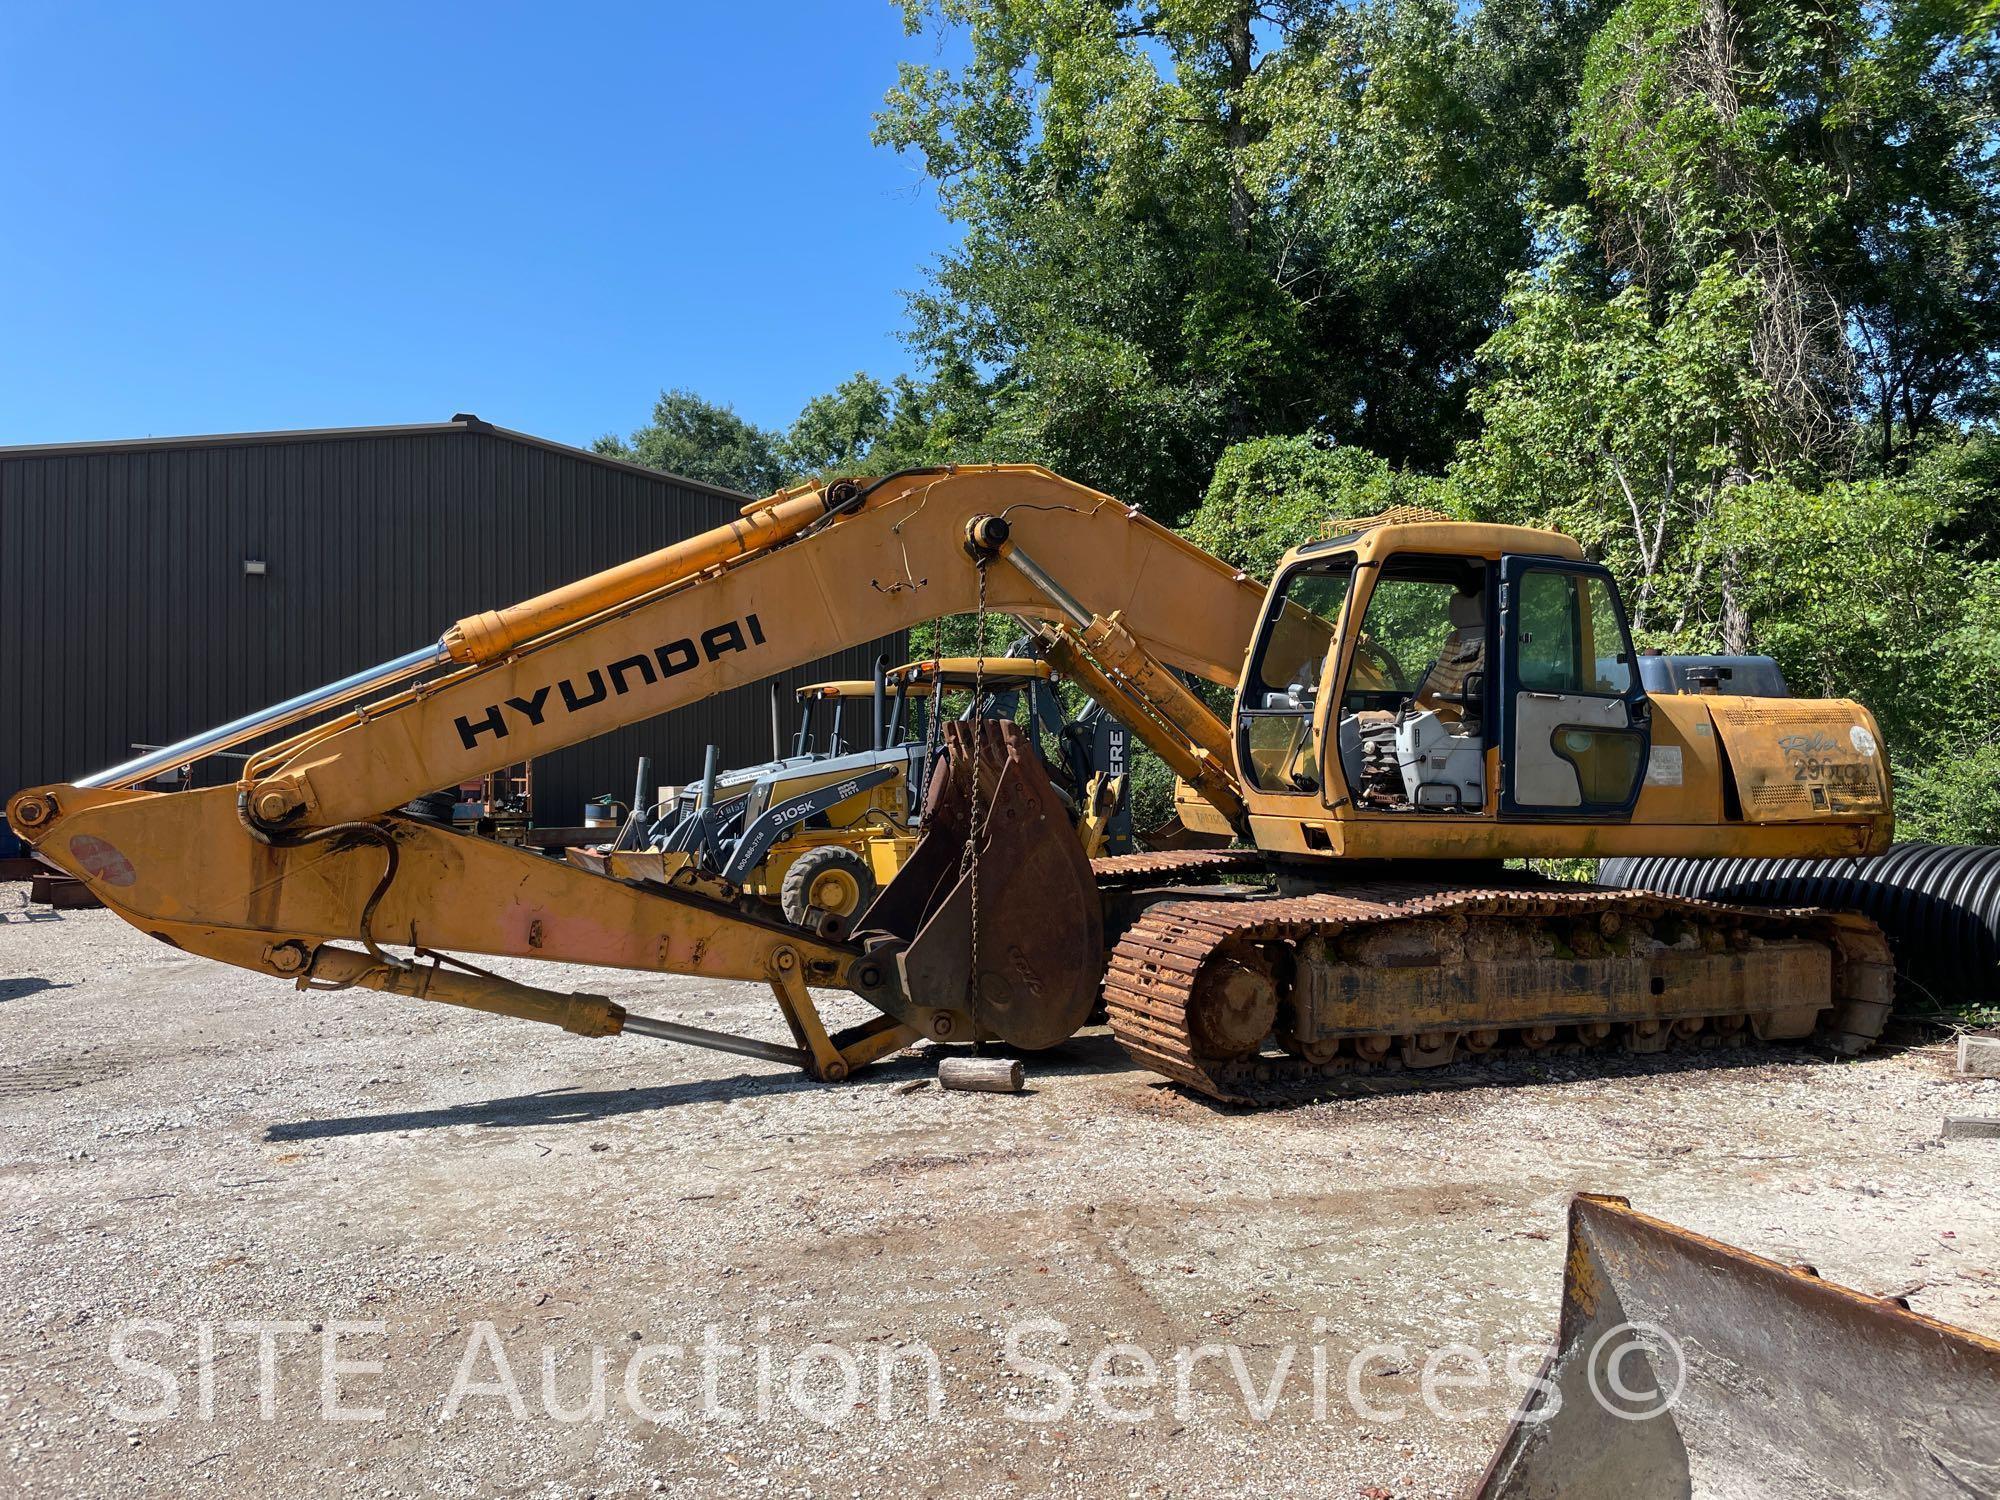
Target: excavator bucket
{"x": 1685, "y": 1367}
{"x": 1007, "y": 927}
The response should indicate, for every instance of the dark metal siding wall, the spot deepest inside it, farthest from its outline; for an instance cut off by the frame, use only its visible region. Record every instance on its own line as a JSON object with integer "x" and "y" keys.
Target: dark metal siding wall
{"x": 126, "y": 617}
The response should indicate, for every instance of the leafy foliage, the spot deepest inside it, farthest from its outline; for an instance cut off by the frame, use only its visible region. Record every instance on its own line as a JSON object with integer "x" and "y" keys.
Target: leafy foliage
{"x": 1857, "y": 593}
{"x": 698, "y": 439}
{"x": 835, "y": 432}
{"x": 1913, "y": 243}
{"x": 1272, "y": 494}
{"x": 1189, "y": 223}
{"x": 1850, "y": 591}
{"x": 1618, "y": 419}
{"x": 1839, "y": 154}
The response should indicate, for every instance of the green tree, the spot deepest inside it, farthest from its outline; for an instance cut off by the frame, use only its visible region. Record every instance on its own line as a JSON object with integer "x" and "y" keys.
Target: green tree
{"x": 1948, "y": 789}
{"x": 1913, "y": 245}
{"x": 1851, "y": 588}
{"x": 1856, "y": 590}
{"x": 1840, "y": 154}
{"x": 1272, "y": 494}
{"x": 835, "y": 432}
{"x": 1620, "y": 420}
{"x": 1189, "y": 223}
{"x": 865, "y": 426}
{"x": 700, "y": 440}
{"x": 1531, "y": 57}
{"x": 1686, "y": 119}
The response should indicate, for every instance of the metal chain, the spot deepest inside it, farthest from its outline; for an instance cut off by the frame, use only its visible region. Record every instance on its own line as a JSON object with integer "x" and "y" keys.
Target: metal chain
{"x": 969, "y": 862}
{"x": 934, "y": 721}
{"x": 933, "y": 730}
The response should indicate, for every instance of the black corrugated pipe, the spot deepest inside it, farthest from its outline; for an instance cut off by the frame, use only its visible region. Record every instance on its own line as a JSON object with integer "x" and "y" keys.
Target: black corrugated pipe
{"x": 1939, "y": 903}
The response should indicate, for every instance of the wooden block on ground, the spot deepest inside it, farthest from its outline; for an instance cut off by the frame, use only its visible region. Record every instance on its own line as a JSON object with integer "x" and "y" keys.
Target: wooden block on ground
{"x": 1979, "y": 1055}
{"x": 985, "y": 1075}
{"x": 64, "y": 892}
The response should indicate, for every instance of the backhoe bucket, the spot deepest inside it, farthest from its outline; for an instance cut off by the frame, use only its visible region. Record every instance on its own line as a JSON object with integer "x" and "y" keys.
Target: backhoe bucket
{"x": 1038, "y": 926}
{"x": 1685, "y": 1367}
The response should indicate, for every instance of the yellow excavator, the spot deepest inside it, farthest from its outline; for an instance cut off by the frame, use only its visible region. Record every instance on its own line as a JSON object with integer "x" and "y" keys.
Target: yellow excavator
{"x": 1418, "y": 703}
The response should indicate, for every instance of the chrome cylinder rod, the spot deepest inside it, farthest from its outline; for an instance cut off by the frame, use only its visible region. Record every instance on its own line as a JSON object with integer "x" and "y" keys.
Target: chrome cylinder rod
{"x": 251, "y": 726}
{"x": 1045, "y": 582}
{"x": 716, "y": 1041}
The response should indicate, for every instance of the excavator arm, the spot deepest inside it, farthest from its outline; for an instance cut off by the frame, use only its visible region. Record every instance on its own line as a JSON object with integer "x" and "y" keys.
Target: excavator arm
{"x": 306, "y": 850}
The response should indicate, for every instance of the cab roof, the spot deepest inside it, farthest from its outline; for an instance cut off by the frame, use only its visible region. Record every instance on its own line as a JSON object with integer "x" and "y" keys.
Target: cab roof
{"x": 1375, "y": 538}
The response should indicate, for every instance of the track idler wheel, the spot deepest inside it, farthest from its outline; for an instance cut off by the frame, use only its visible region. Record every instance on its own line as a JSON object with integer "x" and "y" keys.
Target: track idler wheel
{"x": 1233, "y": 1008}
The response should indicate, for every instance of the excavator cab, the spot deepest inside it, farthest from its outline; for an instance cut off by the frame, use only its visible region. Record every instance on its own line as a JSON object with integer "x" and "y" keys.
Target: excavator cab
{"x": 1397, "y": 672}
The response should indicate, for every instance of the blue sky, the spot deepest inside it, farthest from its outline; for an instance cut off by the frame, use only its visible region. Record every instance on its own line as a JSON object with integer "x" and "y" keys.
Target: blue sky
{"x": 224, "y": 218}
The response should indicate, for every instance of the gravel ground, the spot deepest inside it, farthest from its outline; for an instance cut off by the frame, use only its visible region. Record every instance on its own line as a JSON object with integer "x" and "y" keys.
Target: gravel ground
{"x": 253, "y": 1169}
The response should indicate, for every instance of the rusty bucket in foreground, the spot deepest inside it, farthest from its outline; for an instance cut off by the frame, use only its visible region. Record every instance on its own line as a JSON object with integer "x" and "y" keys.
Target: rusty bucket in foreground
{"x": 1684, "y": 1367}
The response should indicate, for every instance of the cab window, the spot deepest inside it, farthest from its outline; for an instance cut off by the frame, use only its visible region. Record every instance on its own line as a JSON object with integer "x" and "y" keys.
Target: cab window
{"x": 1578, "y": 721}
{"x": 1276, "y": 714}
{"x": 1416, "y": 616}
{"x": 1412, "y": 727}
{"x": 1572, "y": 637}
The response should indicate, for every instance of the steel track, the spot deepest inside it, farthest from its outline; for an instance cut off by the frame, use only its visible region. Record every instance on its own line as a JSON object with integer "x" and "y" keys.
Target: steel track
{"x": 1155, "y": 969}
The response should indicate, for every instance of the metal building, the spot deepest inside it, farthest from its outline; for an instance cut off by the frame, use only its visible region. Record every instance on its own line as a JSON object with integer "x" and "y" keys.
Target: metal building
{"x": 153, "y": 588}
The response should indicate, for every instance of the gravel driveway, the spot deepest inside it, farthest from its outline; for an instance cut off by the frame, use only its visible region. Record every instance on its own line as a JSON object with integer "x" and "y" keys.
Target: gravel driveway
{"x": 263, "y": 1242}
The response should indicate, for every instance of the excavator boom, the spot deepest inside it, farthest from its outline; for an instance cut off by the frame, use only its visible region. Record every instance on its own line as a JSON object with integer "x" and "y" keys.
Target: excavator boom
{"x": 700, "y": 619}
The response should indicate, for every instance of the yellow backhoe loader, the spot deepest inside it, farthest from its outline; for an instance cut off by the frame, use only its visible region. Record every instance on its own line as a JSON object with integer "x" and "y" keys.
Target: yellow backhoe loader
{"x": 817, "y": 834}
{"x": 1416, "y": 701}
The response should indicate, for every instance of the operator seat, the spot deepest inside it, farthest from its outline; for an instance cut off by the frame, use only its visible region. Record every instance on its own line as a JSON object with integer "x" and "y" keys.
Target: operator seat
{"x": 1451, "y": 688}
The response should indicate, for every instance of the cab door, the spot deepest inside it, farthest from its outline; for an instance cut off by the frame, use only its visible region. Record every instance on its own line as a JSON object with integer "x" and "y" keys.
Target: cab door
{"x": 1575, "y": 723}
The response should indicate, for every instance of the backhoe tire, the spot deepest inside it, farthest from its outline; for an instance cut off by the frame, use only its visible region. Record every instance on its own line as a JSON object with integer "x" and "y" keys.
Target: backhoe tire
{"x": 827, "y": 883}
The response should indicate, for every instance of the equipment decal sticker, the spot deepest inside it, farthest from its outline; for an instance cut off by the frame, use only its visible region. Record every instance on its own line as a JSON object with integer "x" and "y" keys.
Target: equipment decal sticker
{"x": 1663, "y": 768}
{"x": 102, "y": 860}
